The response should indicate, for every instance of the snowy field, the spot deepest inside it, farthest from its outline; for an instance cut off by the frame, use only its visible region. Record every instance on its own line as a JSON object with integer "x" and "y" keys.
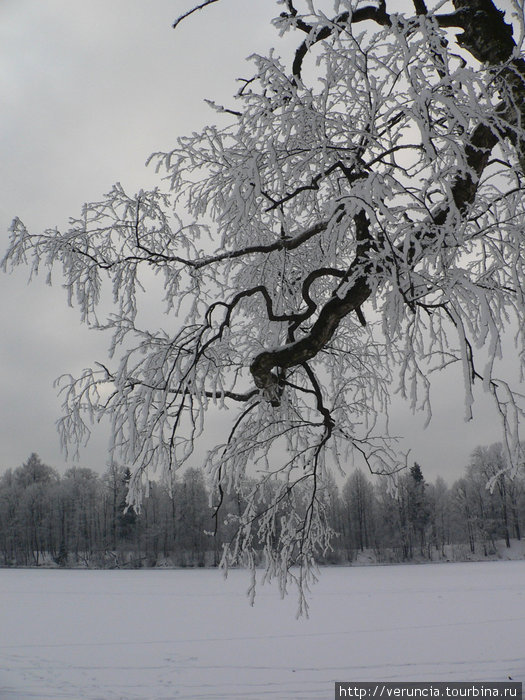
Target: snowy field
{"x": 159, "y": 634}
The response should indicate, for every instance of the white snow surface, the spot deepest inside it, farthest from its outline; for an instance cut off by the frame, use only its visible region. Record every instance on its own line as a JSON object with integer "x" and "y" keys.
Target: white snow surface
{"x": 156, "y": 634}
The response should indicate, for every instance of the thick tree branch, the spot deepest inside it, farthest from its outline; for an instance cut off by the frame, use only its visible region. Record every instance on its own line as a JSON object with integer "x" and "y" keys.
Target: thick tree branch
{"x": 375, "y": 13}
{"x": 485, "y": 33}
{"x": 480, "y": 20}
{"x": 307, "y": 347}
{"x": 154, "y": 256}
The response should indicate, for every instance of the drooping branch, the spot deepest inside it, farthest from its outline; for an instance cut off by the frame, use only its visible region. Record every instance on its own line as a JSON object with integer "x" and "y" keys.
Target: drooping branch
{"x": 152, "y": 256}
{"x": 279, "y": 244}
{"x": 393, "y": 178}
{"x": 488, "y": 22}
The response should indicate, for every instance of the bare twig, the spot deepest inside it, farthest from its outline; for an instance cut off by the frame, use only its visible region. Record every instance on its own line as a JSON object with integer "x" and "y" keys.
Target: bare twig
{"x": 190, "y": 12}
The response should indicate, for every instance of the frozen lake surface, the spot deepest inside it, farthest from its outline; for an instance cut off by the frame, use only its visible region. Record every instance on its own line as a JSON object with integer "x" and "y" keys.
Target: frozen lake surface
{"x": 157, "y": 634}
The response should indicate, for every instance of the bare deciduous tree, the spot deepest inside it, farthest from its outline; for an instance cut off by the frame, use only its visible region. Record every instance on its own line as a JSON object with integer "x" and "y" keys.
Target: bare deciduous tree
{"x": 364, "y": 204}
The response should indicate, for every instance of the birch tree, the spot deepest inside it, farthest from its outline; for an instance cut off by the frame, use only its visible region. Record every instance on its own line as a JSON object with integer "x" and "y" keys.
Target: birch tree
{"x": 351, "y": 222}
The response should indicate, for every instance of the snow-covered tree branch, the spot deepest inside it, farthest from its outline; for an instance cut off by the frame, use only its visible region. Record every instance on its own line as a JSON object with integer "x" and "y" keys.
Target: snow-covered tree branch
{"x": 352, "y": 222}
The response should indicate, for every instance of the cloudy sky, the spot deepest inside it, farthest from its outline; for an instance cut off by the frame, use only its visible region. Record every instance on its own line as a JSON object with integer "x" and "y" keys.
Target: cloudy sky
{"x": 88, "y": 91}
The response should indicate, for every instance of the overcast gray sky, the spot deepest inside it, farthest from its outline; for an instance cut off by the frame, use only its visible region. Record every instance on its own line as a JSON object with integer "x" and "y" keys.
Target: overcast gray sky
{"x": 88, "y": 90}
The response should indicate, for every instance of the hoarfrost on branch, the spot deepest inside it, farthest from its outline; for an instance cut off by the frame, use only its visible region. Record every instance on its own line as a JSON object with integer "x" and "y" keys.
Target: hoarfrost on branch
{"x": 354, "y": 222}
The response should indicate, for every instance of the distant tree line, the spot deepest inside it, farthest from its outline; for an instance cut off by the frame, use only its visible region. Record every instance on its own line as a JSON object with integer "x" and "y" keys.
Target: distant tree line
{"x": 406, "y": 518}
{"x": 82, "y": 518}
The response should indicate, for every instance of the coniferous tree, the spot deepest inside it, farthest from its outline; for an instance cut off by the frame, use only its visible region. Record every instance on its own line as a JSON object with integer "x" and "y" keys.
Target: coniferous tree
{"x": 418, "y": 505}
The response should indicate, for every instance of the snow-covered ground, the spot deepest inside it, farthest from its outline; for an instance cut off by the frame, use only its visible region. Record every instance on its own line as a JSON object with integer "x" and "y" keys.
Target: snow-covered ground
{"x": 189, "y": 634}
